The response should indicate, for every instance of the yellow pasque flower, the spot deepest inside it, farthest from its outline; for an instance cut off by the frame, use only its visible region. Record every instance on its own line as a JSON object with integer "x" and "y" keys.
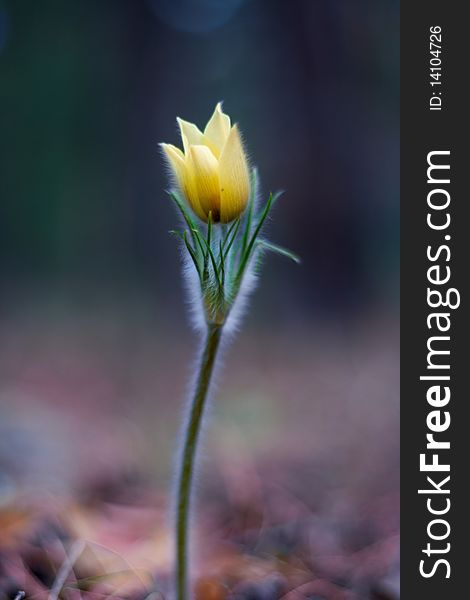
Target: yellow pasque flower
{"x": 212, "y": 173}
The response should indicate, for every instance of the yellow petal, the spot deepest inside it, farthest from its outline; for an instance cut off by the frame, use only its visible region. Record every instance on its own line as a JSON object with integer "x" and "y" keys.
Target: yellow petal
{"x": 217, "y": 130}
{"x": 234, "y": 178}
{"x": 182, "y": 176}
{"x": 176, "y": 162}
{"x": 204, "y": 169}
{"x": 190, "y": 134}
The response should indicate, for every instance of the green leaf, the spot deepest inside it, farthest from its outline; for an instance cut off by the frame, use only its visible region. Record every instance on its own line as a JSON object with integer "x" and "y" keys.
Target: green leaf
{"x": 193, "y": 255}
{"x": 229, "y": 230}
{"x": 279, "y": 250}
{"x": 181, "y": 204}
{"x": 233, "y": 233}
{"x": 221, "y": 262}
{"x": 249, "y": 212}
{"x": 199, "y": 244}
{"x": 176, "y": 233}
{"x": 247, "y": 253}
{"x": 209, "y": 228}
{"x": 211, "y": 255}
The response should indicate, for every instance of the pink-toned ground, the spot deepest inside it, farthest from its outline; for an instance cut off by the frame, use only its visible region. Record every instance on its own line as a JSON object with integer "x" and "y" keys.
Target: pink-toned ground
{"x": 298, "y": 484}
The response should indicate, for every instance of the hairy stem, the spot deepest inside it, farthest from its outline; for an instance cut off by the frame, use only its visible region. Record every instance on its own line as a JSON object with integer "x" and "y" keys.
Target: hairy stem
{"x": 186, "y": 469}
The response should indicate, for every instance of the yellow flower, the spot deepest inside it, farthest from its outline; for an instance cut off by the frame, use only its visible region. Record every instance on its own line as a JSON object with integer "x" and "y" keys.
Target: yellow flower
{"x": 212, "y": 173}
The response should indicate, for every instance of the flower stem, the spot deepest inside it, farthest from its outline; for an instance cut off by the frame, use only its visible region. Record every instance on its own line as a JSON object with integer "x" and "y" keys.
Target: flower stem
{"x": 186, "y": 469}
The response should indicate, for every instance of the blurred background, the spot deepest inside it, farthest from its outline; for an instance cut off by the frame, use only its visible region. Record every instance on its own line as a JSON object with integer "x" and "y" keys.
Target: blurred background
{"x": 298, "y": 485}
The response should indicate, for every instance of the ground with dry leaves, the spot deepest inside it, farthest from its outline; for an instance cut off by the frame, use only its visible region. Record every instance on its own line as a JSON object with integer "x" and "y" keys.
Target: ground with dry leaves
{"x": 298, "y": 484}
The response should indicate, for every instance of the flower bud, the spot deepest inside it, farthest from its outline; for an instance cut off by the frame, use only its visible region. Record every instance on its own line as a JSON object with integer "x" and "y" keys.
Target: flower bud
{"x": 212, "y": 172}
